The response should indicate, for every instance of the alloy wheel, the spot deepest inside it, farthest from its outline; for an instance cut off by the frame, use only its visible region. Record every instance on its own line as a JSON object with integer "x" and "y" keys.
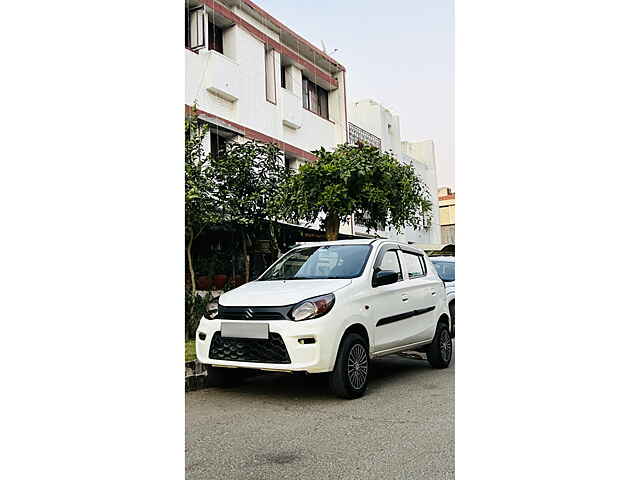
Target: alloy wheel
{"x": 445, "y": 345}
{"x": 357, "y": 366}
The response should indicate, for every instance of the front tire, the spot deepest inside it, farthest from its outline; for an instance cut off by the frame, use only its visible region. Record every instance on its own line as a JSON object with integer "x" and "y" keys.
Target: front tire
{"x": 440, "y": 351}
{"x": 350, "y": 374}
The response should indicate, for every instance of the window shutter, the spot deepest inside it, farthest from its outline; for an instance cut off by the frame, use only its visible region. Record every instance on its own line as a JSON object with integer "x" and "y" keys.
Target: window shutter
{"x": 197, "y": 25}
{"x": 305, "y": 93}
{"x": 270, "y": 74}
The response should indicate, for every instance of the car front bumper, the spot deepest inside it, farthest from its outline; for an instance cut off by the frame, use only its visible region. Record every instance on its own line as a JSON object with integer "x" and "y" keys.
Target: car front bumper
{"x": 311, "y": 344}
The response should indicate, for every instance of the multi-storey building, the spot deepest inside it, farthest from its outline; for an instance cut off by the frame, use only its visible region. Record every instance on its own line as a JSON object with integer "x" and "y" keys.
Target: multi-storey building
{"x": 374, "y": 124}
{"x": 250, "y": 75}
{"x": 447, "y": 200}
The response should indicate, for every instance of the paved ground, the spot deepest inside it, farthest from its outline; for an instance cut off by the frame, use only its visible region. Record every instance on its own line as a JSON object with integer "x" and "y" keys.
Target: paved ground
{"x": 284, "y": 426}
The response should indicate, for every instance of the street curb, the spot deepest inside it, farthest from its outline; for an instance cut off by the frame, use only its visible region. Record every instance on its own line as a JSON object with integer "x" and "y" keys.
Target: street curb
{"x": 194, "y": 376}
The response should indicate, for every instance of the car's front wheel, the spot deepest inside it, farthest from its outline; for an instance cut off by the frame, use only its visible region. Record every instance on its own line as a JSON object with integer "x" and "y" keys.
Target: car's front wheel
{"x": 351, "y": 371}
{"x": 440, "y": 351}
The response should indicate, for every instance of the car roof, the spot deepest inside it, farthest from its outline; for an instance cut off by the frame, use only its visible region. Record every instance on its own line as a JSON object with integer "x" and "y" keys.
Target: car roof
{"x": 442, "y": 259}
{"x": 356, "y": 241}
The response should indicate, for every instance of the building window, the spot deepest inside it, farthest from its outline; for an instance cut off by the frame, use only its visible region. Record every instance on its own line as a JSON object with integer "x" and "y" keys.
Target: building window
{"x": 315, "y": 98}
{"x": 283, "y": 76}
{"x": 218, "y": 143}
{"x": 196, "y": 21}
{"x": 270, "y": 74}
{"x": 215, "y": 37}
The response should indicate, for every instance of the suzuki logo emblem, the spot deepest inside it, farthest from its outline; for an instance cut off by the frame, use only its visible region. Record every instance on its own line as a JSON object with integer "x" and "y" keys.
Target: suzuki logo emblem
{"x": 248, "y": 313}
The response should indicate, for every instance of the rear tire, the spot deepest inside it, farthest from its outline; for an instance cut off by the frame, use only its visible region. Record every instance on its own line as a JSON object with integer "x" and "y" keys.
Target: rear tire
{"x": 440, "y": 351}
{"x": 350, "y": 374}
{"x": 222, "y": 377}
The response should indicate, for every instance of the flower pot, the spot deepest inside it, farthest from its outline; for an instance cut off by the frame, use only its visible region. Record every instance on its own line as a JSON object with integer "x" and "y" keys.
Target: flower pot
{"x": 219, "y": 281}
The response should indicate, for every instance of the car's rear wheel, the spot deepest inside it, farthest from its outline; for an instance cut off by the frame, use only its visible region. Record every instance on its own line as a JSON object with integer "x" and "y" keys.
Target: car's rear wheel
{"x": 440, "y": 351}
{"x": 222, "y": 377}
{"x": 350, "y": 374}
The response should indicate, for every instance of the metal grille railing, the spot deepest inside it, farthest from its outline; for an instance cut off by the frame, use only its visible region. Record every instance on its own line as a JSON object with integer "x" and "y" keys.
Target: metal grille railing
{"x": 357, "y": 134}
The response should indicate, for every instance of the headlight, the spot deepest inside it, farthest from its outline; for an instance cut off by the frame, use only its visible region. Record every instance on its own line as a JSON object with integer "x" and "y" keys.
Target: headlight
{"x": 312, "y": 308}
{"x": 211, "y": 310}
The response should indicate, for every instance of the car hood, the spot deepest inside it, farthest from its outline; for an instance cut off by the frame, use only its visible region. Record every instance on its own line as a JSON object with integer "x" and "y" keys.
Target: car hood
{"x": 276, "y": 293}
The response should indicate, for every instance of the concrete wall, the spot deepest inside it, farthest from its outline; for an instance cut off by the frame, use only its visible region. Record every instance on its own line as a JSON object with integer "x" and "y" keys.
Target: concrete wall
{"x": 233, "y": 86}
{"x": 381, "y": 122}
{"x": 447, "y": 204}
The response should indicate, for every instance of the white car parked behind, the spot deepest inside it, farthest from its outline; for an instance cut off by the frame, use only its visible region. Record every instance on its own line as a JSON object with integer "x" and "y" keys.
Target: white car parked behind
{"x": 446, "y": 267}
{"x": 329, "y": 307}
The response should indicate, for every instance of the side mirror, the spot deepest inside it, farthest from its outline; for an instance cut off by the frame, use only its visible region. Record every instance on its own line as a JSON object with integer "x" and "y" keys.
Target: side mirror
{"x": 384, "y": 277}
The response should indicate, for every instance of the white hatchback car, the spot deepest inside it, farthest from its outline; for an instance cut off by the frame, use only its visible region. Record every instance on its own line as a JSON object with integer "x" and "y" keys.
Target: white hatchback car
{"x": 329, "y": 307}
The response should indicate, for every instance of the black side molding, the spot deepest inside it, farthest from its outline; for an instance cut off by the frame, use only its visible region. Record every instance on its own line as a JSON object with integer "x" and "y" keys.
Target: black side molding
{"x": 404, "y": 316}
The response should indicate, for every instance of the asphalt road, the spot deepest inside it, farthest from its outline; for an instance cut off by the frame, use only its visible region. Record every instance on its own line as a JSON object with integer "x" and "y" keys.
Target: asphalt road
{"x": 280, "y": 426}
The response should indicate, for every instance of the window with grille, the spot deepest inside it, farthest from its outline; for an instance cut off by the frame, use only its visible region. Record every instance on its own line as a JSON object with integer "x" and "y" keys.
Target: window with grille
{"x": 315, "y": 98}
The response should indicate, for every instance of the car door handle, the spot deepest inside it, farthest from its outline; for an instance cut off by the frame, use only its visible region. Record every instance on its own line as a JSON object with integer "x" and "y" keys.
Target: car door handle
{"x": 405, "y": 297}
{"x": 433, "y": 292}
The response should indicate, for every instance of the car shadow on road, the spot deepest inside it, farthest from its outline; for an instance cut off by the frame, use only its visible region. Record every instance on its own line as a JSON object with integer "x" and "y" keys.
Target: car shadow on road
{"x": 384, "y": 372}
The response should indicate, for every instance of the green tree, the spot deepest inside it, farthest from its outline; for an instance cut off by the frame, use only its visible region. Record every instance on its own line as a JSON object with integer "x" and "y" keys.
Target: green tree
{"x": 360, "y": 180}
{"x": 200, "y": 203}
{"x": 246, "y": 178}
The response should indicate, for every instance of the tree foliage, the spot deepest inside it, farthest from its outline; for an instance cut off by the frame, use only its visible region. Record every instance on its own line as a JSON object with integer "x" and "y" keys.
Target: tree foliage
{"x": 246, "y": 178}
{"x": 200, "y": 205}
{"x": 356, "y": 179}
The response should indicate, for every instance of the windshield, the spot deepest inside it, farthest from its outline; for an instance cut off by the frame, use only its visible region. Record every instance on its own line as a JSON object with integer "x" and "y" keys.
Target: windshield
{"x": 321, "y": 262}
{"x": 446, "y": 270}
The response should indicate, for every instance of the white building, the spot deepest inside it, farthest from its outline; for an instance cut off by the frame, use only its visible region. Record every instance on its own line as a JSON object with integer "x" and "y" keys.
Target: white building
{"x": 251, "y": 76}
{"x": 371, "y": 122}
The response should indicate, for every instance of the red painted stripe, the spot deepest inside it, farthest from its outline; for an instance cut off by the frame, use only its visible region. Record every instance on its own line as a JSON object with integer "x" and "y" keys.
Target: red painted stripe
{"x": 228, "y": 14}
{"x": 255, "y": 135}
{"x": 282, "y": 26}
{"x": 448, "y": 197}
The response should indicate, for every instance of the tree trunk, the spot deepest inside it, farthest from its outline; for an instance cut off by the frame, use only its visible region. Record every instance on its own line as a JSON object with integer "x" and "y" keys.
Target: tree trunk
{"x": 275, "y": 249}
{"x": 247, "y": 260}
{"x": 332, "y": 225}
{"x": 192, "y": 275}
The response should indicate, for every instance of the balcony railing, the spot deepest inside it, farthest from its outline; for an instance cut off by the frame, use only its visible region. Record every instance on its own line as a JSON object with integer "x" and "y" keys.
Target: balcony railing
{"x": 357, "y": 134}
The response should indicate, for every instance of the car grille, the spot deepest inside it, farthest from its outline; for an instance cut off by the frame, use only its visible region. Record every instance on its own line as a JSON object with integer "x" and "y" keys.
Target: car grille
{"x": 254, "y": 350}
{"x": 252, "y": 313}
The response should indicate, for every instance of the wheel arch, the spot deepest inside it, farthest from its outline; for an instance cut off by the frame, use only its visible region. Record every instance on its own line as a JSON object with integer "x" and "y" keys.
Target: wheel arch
{"x": 356, "y": 325}
{"x": 360, "y": 329}
{"x": 444, "y": 318}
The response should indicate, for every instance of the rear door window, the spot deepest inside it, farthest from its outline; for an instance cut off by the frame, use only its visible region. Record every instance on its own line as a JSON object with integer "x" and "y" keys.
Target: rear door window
{"x": 414, "y": 265}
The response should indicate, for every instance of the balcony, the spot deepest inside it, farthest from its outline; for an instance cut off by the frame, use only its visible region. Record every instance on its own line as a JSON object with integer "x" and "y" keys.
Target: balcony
{"x": 291, "y": 109}
{"x": 360, "y": 135}
{"x": 223, "y": 77}
{"x": 218, "y": 74}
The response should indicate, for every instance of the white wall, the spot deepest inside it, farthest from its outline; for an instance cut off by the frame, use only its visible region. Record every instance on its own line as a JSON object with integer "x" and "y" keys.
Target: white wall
{"x": 232, "y": 86}
{"x": 381, "y": 122}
